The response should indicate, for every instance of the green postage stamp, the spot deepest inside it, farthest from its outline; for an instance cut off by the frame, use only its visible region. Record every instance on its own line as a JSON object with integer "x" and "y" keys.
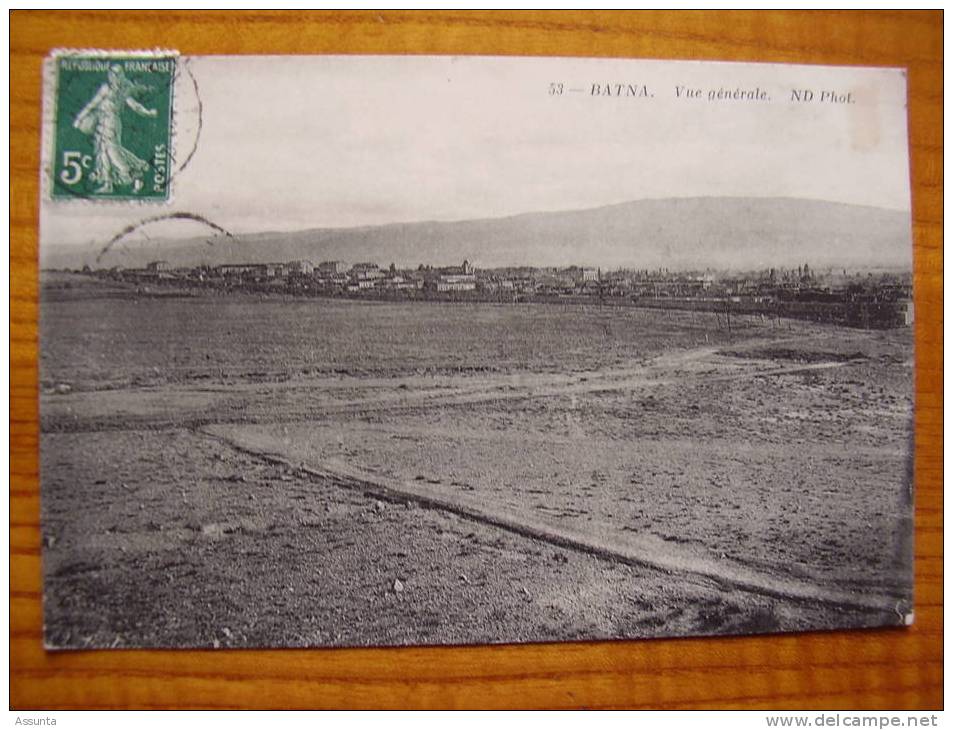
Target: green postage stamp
{"x": 112, "y": 125}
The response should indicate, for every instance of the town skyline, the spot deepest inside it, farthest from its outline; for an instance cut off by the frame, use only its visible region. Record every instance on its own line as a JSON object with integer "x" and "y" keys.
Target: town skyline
{"x": 344, "y": 266}
{"x": 801, "y": 293}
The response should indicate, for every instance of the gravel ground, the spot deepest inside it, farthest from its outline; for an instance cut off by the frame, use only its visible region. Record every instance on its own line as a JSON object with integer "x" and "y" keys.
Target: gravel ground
{"x": 750, "y": 448}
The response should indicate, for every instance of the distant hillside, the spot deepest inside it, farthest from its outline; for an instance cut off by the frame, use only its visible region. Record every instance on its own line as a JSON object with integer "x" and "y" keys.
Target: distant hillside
{"x": 738, "y": 233}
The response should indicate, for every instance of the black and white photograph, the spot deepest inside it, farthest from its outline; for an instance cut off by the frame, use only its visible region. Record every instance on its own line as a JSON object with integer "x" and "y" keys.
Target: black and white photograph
{"x": 373, "y": 351}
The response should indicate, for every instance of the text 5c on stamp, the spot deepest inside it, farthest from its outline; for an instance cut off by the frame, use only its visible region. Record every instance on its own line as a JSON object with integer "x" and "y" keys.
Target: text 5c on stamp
{"x": 113, "y": 126}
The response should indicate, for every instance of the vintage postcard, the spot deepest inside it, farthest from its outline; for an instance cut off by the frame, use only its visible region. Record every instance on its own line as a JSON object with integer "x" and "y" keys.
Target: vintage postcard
{"x": 348, "y": 351}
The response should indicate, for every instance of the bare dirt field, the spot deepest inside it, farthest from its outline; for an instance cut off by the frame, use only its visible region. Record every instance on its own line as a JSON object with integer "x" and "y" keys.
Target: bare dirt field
{"x": 247, "y": 471}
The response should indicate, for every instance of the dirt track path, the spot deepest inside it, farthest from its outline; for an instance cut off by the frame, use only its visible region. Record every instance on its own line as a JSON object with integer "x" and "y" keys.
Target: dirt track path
{"x": 597, "y": 539}
{"x": 395, "y": 394}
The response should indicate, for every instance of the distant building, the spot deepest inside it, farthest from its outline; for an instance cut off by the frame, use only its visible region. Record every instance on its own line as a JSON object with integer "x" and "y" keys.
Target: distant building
{"x": 158, "y": 266}
{"x": 332, "y": 267}
{"x": 366, "y": 271}
{"x": 452, "y": 278}
{"x": 396, "y": 282}
{"x": 577, "y": 274}
{"x": 238, "y": 269}
{"x": 250, "y": 271}
{"x": 304, "y": 267}
{"x": 455, "y": 282}
{"x": 360, "y": 285}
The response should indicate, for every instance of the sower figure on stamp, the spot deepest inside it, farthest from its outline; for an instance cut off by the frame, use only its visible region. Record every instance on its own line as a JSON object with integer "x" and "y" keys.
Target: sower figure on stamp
{"x": 102, "y": 118}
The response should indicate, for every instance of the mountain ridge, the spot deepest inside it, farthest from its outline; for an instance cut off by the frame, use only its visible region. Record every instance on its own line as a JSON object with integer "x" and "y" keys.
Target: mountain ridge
{"x": 677, "y": 233}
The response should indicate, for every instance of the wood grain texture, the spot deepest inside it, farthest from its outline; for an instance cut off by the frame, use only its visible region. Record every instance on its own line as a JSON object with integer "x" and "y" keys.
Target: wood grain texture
{"x": 849, "y": 670}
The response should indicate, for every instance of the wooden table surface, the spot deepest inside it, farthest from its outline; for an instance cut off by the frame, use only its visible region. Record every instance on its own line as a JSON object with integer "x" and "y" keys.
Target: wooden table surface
{"x": 892, "y": 668}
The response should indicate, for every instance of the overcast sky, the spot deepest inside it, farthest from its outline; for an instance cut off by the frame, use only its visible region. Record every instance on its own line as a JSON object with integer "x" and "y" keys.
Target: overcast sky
{"x": 302, "y": 142}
